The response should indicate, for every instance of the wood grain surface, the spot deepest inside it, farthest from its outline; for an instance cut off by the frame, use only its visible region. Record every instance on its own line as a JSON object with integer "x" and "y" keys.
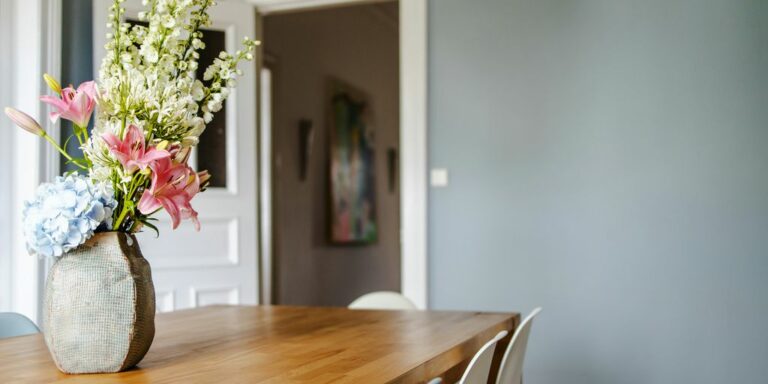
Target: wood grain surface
{"x": 278, "y": 344}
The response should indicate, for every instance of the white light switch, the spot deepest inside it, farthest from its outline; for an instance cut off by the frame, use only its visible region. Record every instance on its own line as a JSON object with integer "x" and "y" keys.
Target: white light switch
{"x": 439, "y": 177}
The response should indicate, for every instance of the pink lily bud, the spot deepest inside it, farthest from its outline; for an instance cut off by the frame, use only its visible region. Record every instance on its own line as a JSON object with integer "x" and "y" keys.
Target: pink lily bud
{"x": 203, "y": 179}
{"x": 26, "y": 122}
{"x": 204, "y": 176}
{"x": 52, "y": 83}
{"x": 183, "y": 155}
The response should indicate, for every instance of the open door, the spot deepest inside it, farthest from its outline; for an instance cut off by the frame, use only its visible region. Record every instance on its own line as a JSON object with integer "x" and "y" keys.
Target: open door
{"x": 219, "y": 264}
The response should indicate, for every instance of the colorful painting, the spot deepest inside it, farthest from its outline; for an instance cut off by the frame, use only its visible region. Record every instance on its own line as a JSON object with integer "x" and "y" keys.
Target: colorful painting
{"x": 353, "y": 197}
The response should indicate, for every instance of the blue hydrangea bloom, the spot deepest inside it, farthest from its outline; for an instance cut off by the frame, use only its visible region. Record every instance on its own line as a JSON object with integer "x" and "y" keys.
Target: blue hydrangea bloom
{"x": 66, "y": 213}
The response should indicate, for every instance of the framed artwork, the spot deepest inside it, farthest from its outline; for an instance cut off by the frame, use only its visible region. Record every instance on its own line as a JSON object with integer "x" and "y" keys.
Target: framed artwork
{"x": 352, "y": 177}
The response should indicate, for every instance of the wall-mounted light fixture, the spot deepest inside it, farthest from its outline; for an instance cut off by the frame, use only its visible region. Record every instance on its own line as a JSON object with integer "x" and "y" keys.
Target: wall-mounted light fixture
{"x": 306, "y": 137}
{"x": 391, "y": 168}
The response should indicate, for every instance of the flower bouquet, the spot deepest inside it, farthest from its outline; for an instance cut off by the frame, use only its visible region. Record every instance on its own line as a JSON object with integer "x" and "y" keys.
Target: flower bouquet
{"x": 150, "y": 110}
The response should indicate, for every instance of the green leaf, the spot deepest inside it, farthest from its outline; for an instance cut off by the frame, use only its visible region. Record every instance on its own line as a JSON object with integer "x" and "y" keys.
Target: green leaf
{"x": 79, "y": 161}
{"x": 152, "y": 226}
{"x": 67, "y": 141}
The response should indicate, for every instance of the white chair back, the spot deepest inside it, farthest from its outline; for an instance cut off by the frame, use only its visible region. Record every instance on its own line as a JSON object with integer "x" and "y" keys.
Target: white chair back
{"x": 480, "y": 367}
{"x": 383, "y": 300}
{"x": 15, "y": 324}
{"x": 511, "y": 369}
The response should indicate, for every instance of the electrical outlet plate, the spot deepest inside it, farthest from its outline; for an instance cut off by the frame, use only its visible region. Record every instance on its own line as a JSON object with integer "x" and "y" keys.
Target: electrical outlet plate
{"x": 439, "y": 177}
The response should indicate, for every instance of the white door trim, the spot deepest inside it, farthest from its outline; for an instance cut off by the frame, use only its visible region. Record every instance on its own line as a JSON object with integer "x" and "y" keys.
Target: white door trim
{"x": 265, "y": 185}
{"x": 275, "y": 6}
{"x": 413, "y": 135}
{"x": 413, "y": 151}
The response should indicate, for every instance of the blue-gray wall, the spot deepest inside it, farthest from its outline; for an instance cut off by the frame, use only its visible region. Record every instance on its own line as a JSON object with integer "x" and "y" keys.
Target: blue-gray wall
{"x": 609, "y": 162}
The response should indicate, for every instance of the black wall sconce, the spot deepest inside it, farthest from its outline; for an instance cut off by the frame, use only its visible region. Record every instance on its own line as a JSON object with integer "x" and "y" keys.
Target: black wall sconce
{"x": 306, "y": 137}
{"x": 391, "y": 168}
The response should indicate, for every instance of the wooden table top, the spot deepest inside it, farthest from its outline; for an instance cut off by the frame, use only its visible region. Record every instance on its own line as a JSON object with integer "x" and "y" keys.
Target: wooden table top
{"x": 278, "y": 344}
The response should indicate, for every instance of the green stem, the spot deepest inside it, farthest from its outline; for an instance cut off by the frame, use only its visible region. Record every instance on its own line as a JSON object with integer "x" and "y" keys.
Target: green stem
{"x": 150, "y": 132}
{"x": 133, "y": 226}
{"x": 136, "y": 182}
{"x": 83, "y": 131}
{"x": 120, "y": 218}
{"x": 116, "y": 28}
{"x": 77, "y": 135}
{"x": 188, "y": 49}
{"x": 62, "y": 151}
{"x": 123, "y": 122}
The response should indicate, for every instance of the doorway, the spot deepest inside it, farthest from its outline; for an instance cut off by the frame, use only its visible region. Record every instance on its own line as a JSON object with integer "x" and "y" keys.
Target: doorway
{"x": 335, "y": 189}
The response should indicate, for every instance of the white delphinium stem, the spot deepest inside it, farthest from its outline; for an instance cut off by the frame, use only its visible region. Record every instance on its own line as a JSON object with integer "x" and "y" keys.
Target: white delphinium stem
{"x": 149, "y": 79}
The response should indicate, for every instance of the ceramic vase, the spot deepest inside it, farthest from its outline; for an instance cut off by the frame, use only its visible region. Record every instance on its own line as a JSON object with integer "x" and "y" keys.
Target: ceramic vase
{"x": 99, "y": 309}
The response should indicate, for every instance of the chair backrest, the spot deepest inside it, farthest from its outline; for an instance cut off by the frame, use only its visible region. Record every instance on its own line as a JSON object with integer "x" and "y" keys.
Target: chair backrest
{"x": 511, "y": 368}
{"x": 14, "y": 324}
{"x": 382, "y": 300}
{"x": 478, "y": 369}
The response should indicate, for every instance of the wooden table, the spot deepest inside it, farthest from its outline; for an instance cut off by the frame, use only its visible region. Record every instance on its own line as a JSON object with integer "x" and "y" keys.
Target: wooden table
{"x": 277, "y": 344}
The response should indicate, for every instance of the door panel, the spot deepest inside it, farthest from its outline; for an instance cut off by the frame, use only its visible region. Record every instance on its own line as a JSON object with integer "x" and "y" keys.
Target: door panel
{"x": 219, "y": 264}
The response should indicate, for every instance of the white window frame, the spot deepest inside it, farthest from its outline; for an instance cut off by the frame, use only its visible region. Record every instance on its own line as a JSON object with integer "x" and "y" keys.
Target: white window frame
{"x": 6, "y": 97}
{"x": 26, "y": 162}
{"x": 32, "y": 27}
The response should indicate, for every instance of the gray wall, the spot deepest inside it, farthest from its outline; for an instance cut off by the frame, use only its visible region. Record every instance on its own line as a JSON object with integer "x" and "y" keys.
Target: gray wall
{"x": 608, "y": 162}
{"x": 358, "y": 45}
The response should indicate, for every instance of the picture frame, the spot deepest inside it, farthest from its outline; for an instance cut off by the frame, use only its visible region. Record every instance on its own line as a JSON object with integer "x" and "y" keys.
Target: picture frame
{"x": 352, "y": 178}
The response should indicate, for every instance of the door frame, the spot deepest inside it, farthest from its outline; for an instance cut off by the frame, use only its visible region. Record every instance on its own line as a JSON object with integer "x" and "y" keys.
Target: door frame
{"x": 413, "y": 138}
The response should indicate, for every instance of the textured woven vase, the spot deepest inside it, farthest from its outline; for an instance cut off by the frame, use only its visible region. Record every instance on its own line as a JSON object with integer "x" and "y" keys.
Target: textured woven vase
{"x": 100, "y": 306}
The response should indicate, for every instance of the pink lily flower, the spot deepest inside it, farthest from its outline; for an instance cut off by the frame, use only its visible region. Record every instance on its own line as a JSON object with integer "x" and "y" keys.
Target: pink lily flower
{"x": 74, "y": 105}
{"x": 173, "y": 187}
{"x": 131, "y": 151}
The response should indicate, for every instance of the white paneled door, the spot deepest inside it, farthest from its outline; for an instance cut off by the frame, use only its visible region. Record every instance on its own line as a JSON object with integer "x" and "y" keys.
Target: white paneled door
{"x": 219, "y": 264}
